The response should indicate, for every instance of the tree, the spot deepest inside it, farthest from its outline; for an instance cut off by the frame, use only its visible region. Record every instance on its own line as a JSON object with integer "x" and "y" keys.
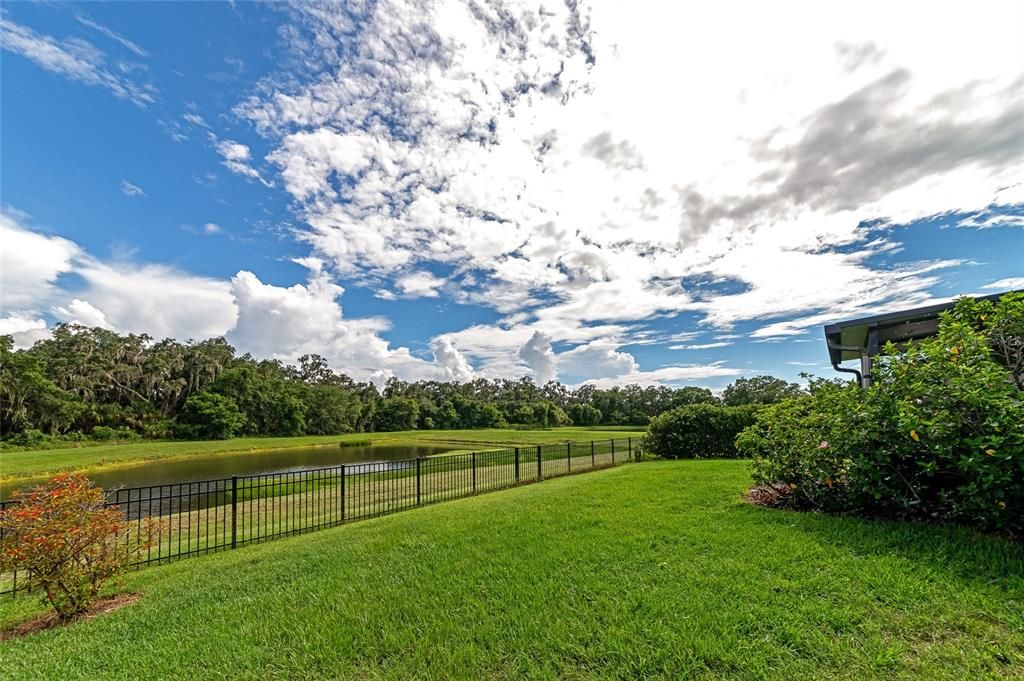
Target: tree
{"x": 396, "y": 413}
{"x": 330, "y": 410}
{"x": 585, "y": 415}
{"x": 30, "y": 400}
{"x": 262, "y": 395}
{"x": 759, "y": 390}
{"x": 209, "y": 416}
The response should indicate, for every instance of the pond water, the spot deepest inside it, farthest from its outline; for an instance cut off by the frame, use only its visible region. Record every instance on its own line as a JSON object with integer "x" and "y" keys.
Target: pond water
{"x": 215, "y": 466}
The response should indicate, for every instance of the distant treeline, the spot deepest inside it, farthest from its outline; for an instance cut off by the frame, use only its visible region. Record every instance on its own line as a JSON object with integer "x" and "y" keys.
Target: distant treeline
{"x": 97, "y": 384}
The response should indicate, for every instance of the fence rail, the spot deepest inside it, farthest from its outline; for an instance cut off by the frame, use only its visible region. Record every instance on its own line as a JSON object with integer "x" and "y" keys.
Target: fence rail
{"x": 213, "y": 515}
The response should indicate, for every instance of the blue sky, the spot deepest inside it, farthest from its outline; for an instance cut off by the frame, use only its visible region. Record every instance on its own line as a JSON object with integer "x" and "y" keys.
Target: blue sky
{"x": 560, "y": 194}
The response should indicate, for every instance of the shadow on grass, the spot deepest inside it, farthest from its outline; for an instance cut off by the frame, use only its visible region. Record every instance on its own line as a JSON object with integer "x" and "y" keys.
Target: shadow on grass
{"x": 958, "y": 552}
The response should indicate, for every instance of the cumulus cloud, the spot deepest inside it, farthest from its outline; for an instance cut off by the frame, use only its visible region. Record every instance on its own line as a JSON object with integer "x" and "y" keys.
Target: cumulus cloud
{"x": 539, "y": 356}
{"x": 419, "y": 285}
{"x": 287, "y": 322}
{"x": 266, "y": 320}
{"x": 25, "y": 331}
{"x": 31, "y": 263}
{"x": 456, "y": 366}
{"x": 503, "y": 144}
{"x": 83, "y": 313}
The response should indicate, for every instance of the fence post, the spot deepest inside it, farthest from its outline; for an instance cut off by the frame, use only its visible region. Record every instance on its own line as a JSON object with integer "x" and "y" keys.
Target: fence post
{"x": 629, "y": 444}
{"x": 517, "y": 464}
{"x": 593, "y": 460}
{"x": 474, "y": 472}
{"x": 568, "y": 457}
{"x": 234, "y": 511}
{"x": 540, "y": 473}
{"x": 342, "y": 492}
{"x": 613, "y": 449}
{"x": 418, "y": 460}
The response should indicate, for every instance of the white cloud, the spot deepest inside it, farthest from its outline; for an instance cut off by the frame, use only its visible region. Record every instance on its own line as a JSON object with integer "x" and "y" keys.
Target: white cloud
{"x": 675, "y": 374}
{"x": 113, "y": 35}
{"x": 157, "y": 300}
{"x": 1009, "y": 284}
{"x": 30, "y": 264}
{"x": 701, "y": 346}
{"x": 236, "y": 158}
{"x": 211, "y": 228}
{"x": 81, "y": 312}
{"x": 419, "y": 285}
{"x": 129, "y": 189}
{"x": 509, "y": 152}
{"x": 25, "y": 331}
{"x": 266, "y": 320}
{"x": 596, "y": 359}
{"x": 72, "y": 58}
{"x": 456, "y": 366}
{"x": 991, "y": 220}
{"x": 539, "y": 356}
{"x": 286, "y": 322}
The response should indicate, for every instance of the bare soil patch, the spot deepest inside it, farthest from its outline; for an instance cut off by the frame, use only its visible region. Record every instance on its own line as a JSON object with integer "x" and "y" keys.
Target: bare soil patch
{"x": 50, "y": 620}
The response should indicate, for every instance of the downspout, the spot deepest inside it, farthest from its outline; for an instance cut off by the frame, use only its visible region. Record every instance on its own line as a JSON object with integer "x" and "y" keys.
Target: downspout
{"x": 864, "y": 358}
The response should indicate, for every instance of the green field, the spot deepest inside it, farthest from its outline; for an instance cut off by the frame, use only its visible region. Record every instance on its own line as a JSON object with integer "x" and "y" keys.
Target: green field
{"x": 657, "y": 569}
{"x": 33, "y": 463}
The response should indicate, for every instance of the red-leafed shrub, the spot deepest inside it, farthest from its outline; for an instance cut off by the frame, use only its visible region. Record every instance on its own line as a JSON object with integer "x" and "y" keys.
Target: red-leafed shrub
{"x": 66, "y": 543}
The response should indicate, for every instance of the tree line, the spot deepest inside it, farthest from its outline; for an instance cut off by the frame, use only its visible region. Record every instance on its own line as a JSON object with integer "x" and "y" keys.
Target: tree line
{"x": 99, "y": 384}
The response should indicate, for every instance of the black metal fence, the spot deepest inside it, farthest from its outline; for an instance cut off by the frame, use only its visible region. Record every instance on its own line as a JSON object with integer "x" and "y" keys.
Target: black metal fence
{"x": 211, "y": 515}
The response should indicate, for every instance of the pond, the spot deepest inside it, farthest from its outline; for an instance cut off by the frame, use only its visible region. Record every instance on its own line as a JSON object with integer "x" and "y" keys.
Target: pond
{"x": 159, "y": 472}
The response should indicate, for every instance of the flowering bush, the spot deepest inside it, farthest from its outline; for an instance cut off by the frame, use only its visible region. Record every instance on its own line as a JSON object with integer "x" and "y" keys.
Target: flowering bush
{"x": 939, "y": 434}
{"x": 67, "y": 543}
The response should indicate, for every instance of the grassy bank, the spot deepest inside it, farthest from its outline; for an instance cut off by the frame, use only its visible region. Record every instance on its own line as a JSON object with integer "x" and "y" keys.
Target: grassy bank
{"x": 40, "y": 462}
{"x": 654, "y": 569}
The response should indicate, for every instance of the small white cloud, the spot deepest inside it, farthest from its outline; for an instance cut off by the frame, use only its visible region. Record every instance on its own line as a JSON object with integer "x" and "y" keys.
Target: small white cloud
{"x": 236, "y": 158}
{"x": 981, "y": 221}
{"x": 211, "y": 228}
{"x": 701, "y": 346}
{"x": 419, "y": 285}
{"x": 1010, "y": 284}
{"x": 129, "y": 189}
{"x": 113, "y": 35}
{"x": 196, "y": 119}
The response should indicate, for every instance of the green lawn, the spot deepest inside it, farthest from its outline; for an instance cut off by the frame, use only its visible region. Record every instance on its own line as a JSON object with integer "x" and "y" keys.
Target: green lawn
{"x": 656, "y": 569}
{"x": 33, "y": 463}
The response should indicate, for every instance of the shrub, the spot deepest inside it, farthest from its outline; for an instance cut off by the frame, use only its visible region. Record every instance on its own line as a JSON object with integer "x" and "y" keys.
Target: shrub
{"x": 938, "y": 435}
{"x": 103, "y": 433}
{"x": 29, "y": 438}
{"x": 209, "y": 416}
{"x": 66, "y": 542}
{"x": 697, "y": 431}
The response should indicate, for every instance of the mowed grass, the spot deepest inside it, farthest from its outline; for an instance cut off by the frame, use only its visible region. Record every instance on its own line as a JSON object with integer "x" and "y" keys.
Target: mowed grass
{"x": 656, "y": 569}
{"x": 32, "y": 463}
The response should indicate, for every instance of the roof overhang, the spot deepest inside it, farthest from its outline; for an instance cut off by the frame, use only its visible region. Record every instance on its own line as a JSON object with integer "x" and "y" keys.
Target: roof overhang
{"x": 866, "y": 336}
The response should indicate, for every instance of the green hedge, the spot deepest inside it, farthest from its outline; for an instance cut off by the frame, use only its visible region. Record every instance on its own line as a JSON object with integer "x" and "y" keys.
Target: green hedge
{"x": 939, "y": 435}
{"x": 698, "y": 431}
